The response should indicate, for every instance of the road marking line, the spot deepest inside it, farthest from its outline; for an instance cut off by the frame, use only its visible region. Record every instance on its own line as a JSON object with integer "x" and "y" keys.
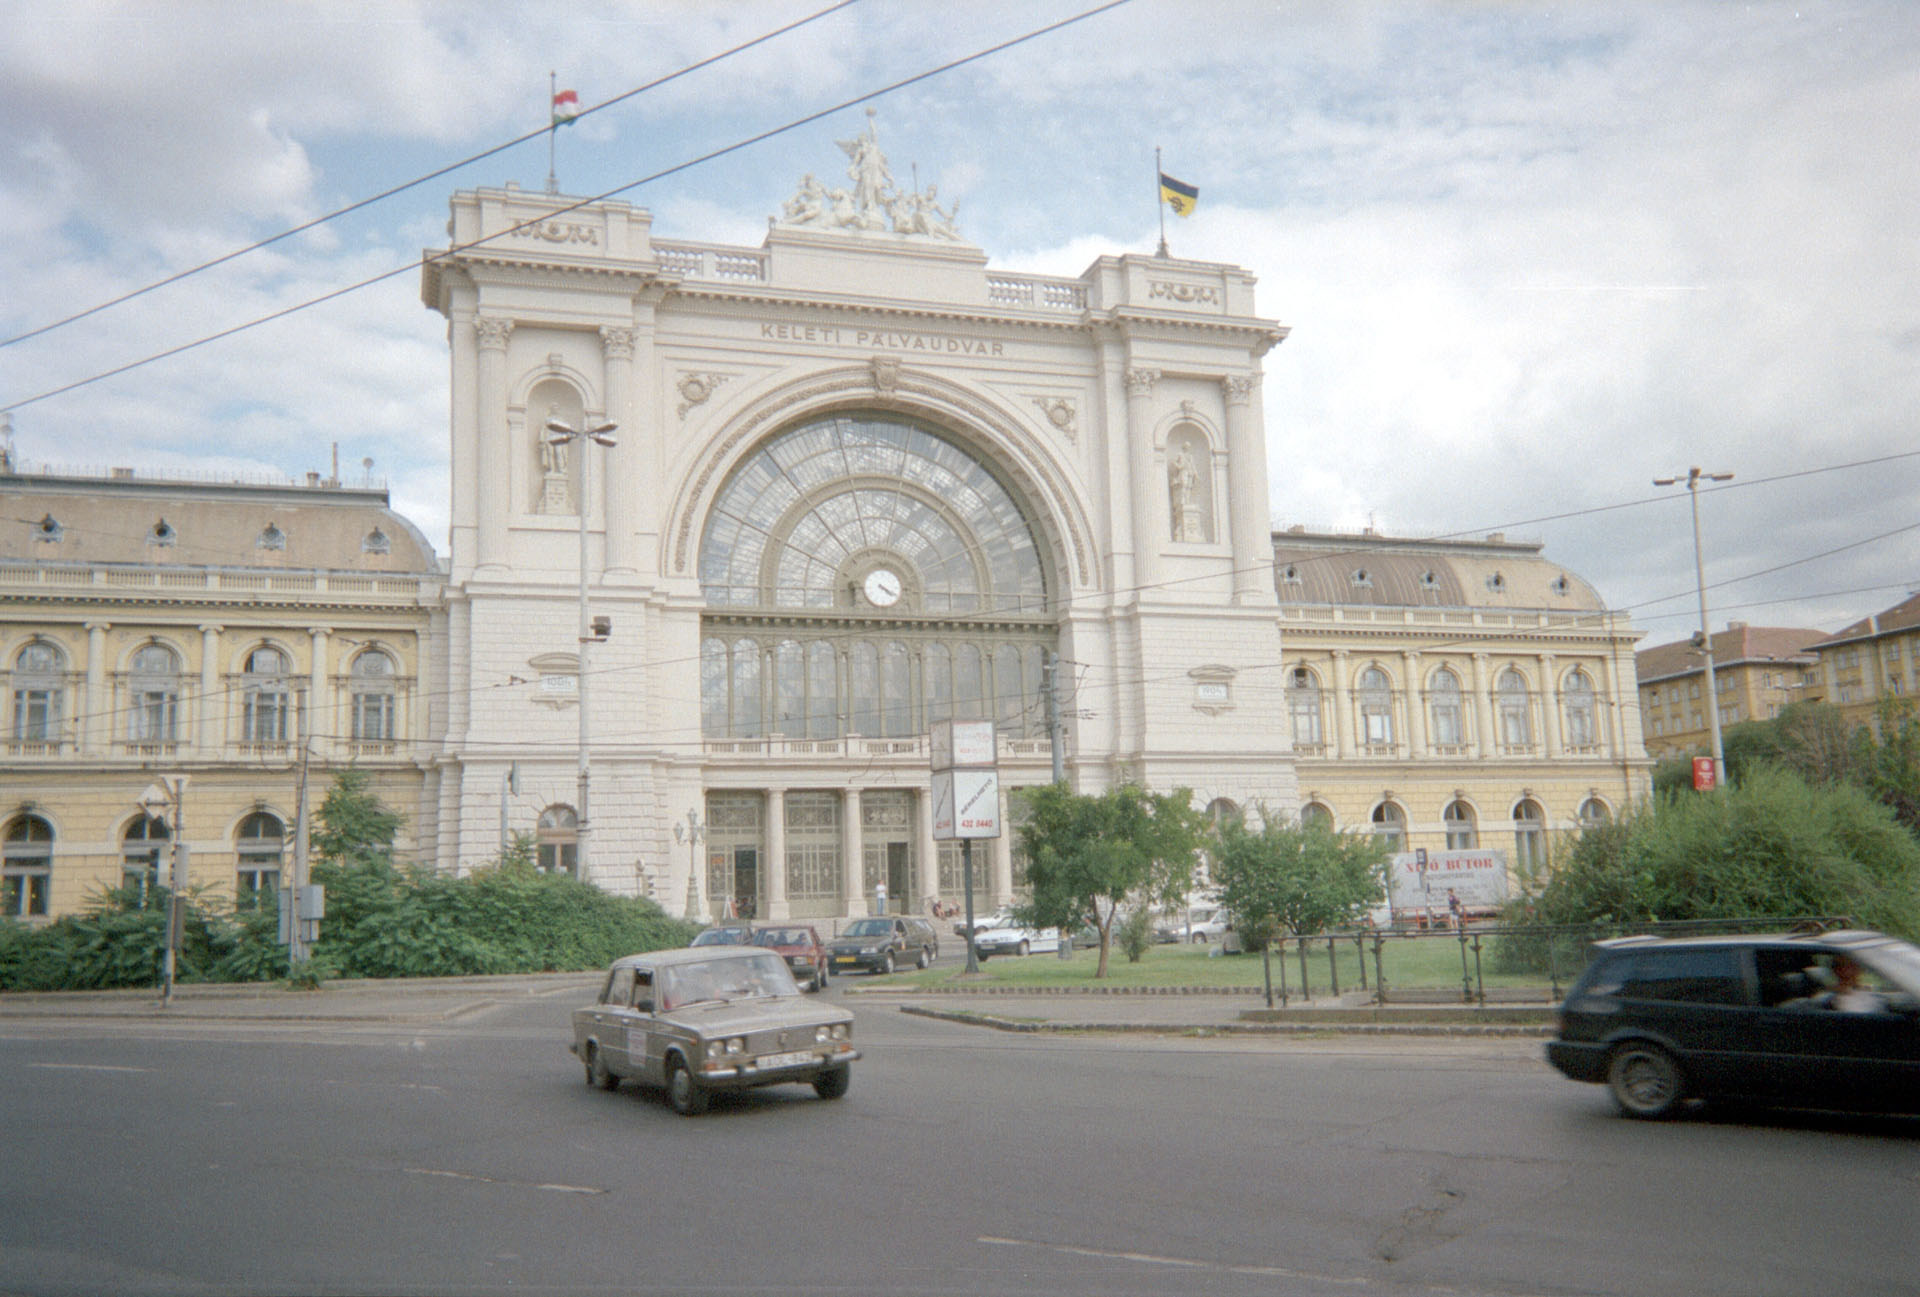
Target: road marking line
{"x": 1148, "y": 1258}
{"x": 87, "y": 1067}
{"x": 511, "y": 1184}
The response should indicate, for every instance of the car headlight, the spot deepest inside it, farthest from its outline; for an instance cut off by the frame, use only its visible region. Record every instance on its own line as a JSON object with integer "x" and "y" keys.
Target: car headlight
{"x": 822, "y": 1034}
{"x": 734, "y": 1045}
{"x": 840, "y": 1031}
{"x": 868, "y": 950}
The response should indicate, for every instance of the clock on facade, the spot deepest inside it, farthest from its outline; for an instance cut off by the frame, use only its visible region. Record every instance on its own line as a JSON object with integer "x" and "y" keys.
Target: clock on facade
{"x": 882, "y": 588}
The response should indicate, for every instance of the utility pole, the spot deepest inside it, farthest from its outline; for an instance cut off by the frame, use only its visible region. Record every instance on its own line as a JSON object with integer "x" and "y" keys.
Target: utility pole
{"x": 1695, "y": 476}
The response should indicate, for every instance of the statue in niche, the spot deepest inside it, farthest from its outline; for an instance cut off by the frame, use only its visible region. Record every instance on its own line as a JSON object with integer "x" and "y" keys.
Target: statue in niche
{"x": 1183, "y": 484}
{"x": 553, "y": 468}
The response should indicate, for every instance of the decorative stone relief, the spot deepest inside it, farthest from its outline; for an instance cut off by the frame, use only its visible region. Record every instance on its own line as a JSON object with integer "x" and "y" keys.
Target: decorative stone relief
{"x": 1189, "y": 489}
{"x": 1140, "y": 381}
{"x": 493, "y": 331}
{"x": 616, "y": 343}
{"x": 558, "y": 232}
{"x": 1185, "y": 293}
{"x": 1238, "y": 388}
{"x": 886, "y": 373}
{"x": 1060, "y": 413}
{"x": 874, "y": 204}
{"x": 555, "y": 493}
{"x": 695, "y": 388}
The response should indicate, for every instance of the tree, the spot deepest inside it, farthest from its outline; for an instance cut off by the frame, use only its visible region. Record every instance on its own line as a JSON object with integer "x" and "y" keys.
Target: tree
{"x": 1298, "y": 878}
{"x": 354, "y": 827}
{"x": 1089, "y": 854}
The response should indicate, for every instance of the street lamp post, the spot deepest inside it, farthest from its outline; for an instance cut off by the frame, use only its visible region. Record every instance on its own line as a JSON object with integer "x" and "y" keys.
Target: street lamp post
{"x": 558, "y": 434}
{"x": 1695, "y": 476}
{"x": 168, "y": 794}
{"x": 690, "y": 833}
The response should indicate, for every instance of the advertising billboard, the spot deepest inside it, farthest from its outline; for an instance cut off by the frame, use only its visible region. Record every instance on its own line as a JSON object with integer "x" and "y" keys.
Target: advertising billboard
{"x": 1419, "y": 880}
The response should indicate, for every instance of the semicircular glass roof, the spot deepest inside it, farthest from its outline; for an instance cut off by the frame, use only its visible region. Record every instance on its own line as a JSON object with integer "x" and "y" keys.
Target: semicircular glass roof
{"x": 814, "y": 509}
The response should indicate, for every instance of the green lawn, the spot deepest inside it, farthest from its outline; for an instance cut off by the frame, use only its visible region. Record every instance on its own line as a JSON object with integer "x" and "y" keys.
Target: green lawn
{"x": 1410, "y": 962}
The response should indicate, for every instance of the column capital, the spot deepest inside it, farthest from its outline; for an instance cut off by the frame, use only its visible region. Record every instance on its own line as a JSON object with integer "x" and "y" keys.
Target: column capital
{"x": 1238, "y": 388}
{"x": 99, "y": 627}
{"x": 211, "y": 628}
{"x": 1140, "y": 382}
{"x": 319, "y": 632}
{"x": 616, "y": 342}
{"x": 493, "y": 331}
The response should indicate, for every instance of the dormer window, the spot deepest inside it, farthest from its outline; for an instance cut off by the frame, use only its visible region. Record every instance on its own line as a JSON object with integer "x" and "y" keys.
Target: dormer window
{"x": 1561, "y": 586}
{"x": 1290, "y": 574}
{"x": 1497, "y": 583}
{"x": 162, "y": 533}
{"x": 48, "y": 530}
{"x": 1362, "y": 579}
{"x": 376, "y": 542}
{"x": 271, "y": 538}
{"x": 1429, "y": 580}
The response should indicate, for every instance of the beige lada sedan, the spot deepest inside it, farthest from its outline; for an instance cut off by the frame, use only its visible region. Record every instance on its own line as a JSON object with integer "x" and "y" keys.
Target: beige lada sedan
{"x": 711, "y": 1018}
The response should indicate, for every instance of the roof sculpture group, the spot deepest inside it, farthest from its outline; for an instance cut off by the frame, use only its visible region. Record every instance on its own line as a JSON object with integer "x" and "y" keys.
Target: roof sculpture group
{"x": 874, "y": 203}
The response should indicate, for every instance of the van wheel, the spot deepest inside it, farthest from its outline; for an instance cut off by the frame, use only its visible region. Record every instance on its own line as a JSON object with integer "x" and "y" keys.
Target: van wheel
{"x": 1645, "y": 1080}
{"x": 688, "y": 1096}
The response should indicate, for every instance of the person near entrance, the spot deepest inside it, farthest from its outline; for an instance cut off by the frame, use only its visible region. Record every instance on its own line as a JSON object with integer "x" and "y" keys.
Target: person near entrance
{"x": 879, "y": 898}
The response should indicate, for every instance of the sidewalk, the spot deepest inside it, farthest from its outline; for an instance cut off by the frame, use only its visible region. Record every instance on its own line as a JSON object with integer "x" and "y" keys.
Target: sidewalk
{"x": 1167, "y": 1010}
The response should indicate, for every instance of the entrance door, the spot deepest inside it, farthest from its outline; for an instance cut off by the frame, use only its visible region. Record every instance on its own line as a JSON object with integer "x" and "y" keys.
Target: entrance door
{"x": 900, "y": 877}
{"x": 746, "y": 881}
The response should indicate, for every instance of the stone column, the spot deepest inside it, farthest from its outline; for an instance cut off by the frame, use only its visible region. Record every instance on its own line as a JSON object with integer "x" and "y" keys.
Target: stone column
{"x": 924, "y": 851}
{"x": 493, "y": 464}
{"x": 853, "y": 899}
{"x": 1150, "y": 500}
{"x": 1549, "y": 707}
{"x": 320, "y": 722}
{"x": 1342, "y": 706}
{"x": 96, "y": 728}
{"x": 773, "y": 868}
{"x": 1002, "y": 893}
{"x": 628, "y": 509}
{"x": 1611, "y": 711}
{"x": 1247, "y": 462}
{"x": 1416, "y": 713}
{"x": 210, "y": 708}
{"x": 1485, "y": 741}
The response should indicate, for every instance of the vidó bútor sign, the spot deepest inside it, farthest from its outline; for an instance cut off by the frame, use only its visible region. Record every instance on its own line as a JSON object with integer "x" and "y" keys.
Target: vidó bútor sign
{"x": 1478, "y": 878}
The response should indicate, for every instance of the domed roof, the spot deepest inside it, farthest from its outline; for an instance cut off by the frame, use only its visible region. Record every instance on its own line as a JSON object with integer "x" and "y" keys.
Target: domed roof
{"x": 1371, "y": 570}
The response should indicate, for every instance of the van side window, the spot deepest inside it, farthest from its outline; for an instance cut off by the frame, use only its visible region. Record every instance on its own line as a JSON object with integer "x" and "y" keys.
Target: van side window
{"x": 642, "y": 985}
{"x": 619, "y": 987}
{"x": 1679, "y": 975}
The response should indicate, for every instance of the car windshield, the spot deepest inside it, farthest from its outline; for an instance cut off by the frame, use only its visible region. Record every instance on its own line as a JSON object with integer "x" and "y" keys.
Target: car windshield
{"x": 870, "y": 928}
{"x": 760, "y": 976}
{"x": 1896, "y": 961}
{"x": 781, "y": 937}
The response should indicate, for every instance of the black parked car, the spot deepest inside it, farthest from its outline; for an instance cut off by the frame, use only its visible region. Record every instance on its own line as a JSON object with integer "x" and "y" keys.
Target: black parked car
{"x": 884, "y": 943}
{"x": 1826, "y": 1021}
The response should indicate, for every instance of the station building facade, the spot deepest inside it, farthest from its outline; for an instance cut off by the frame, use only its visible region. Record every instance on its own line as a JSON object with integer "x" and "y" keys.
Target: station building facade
{"x": 863, "y": 483}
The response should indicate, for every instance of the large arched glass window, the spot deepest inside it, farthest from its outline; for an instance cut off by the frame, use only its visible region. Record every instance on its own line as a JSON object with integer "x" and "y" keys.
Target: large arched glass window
{"x": 141, "y": 847}
{"x": 1443, "y": 700}
{"x": 1577, "y": 702}
{"x": 26, "y": 867}
{"x": 266, "y": 697}
{"x": 260, "y": 845}
{"x": 1313, "y": 813}
{"x": 1594, "y": 813}
{"x": 371, "y": 683}
{"x": 39, "y": 694}
{"x": 878, "y": 542}
{"x": 1529, "y": 835}
{"x": 1516, "y": 720}
{"x": 557, "y": 840}
{"x": 153, "y": 685}
{"x": 1303, "y": 706}
{"x": 1463, "y": 830}
{"x": 1376, "y": 708}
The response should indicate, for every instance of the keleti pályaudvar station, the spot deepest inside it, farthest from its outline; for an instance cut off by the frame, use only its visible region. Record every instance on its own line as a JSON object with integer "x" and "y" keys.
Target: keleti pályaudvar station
{"x": 860, "y": 483}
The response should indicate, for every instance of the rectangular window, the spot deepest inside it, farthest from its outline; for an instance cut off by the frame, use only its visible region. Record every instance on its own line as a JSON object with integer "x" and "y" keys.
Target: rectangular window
{"x": 1447, "y": 730}
{"x": 373, "y": 717}
{"x": 263, "y": 717}
{"x": 153, "y": 717}
{"x": 256, "y": 887}
{"x": 1305, "y": 708}
{"x": 23, "y": 895}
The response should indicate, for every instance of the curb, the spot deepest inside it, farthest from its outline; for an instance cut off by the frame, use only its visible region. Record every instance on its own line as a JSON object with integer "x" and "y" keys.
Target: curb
{"x": 1230, "y": 1028}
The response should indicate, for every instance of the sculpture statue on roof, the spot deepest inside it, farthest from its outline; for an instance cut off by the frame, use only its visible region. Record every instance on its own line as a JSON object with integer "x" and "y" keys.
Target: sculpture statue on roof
{"x": 875, "y": 204}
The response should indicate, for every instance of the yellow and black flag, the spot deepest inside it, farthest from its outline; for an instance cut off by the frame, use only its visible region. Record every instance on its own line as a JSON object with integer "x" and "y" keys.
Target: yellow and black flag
{"x": 1178, "y": 195}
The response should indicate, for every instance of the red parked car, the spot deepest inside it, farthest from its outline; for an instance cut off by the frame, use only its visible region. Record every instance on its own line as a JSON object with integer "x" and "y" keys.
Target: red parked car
{"x": 800, "y": 946}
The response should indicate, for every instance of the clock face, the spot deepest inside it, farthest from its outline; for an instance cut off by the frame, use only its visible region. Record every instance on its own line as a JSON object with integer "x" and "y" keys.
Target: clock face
{"x": 882, "y": 588}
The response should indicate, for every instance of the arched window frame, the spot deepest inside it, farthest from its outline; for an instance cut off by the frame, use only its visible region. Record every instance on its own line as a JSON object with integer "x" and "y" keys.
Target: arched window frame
{"x": 373, "y": 697}
{"x": 1594, "y": 813}
{"x": 557, "y": 840}
{"x": 39, "y": 688}
{"x": 1313, "y": 812}
{"x": 1374, "y": 696}
{"x": 266, "y": 696}
{"x": 1529, "y": 836}
{"x": 1447, "y": 712}
{"x": 1513, "y": 702}
{"x": 259, "y": 855}
{"x": 153, "y": 689}
{"x": 1389, "y": 825}
{"x": 143, "y": 841}
{"x": 1306, "y": 703}
{"x": 1463, "y": 826}
{"x": 26, "y": 866}
{"x": 1580, "y": 713}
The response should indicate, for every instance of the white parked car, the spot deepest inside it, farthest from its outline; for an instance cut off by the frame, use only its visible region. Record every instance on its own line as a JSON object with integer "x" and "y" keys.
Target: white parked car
{"x": 1011, "y": 938}
{"x": 1208, "y": 925}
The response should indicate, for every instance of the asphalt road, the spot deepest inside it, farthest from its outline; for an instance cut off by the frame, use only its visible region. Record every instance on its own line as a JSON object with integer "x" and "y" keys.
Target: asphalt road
{"x": 143, "y": 1157}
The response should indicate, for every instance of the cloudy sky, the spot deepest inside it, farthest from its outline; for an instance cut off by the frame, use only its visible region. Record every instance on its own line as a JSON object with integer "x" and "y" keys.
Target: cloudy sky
{"x": 1533, "y": 257}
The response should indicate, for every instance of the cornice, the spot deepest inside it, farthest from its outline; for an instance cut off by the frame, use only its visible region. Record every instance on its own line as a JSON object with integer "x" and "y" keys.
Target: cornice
{"x": 719, "y": 293}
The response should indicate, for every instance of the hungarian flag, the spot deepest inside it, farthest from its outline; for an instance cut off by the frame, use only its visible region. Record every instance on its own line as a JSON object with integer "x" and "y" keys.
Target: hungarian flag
{"x": 566, "y": 107}
{"x": 1178, "y": 195}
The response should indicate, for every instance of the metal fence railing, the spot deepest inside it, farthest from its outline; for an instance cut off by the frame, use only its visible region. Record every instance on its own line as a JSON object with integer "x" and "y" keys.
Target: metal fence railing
{"x": 1525, "y": 960}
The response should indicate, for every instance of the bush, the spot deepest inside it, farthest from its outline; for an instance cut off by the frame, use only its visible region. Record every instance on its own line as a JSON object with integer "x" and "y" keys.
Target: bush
{"x": 1135, "y": 934}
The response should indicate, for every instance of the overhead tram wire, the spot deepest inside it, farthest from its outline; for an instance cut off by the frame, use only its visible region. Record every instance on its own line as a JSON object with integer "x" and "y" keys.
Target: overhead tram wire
{"x": 430, "y": 258}
{"x": 415, "y": 183}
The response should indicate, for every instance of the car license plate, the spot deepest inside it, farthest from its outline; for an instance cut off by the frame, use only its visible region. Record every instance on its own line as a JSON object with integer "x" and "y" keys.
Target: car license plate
{"x": 799, "y": 1058}
{"x": 846, "y": 959}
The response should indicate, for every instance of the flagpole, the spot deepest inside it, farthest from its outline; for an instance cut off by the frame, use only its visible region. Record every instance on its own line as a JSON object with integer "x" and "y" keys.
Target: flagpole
{"x": 553, "y": 129}
{"x": 1159, "y": 203}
